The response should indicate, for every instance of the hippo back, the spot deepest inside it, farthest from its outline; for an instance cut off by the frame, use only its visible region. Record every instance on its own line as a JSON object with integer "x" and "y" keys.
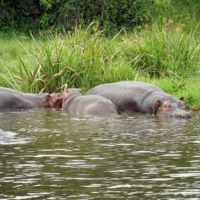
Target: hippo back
{"x": 12, "y": 99}
{"x": 91, "y": 104}
{"x": 128, "y": 96}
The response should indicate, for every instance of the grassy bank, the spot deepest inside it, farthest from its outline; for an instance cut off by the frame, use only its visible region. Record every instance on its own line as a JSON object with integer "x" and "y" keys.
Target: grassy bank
{"x": 166, "y": 55}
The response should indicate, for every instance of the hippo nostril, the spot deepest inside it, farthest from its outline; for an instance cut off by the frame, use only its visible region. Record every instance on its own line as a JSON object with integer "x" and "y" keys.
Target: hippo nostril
{"x": 186, "y": 115}
{"x": 178, "y": 115}
{"x": 190, "y": 115}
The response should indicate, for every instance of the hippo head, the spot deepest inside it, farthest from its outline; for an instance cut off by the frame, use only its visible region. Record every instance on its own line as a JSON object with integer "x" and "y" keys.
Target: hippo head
{"x": 66, "y": 94}
{"x": 57, "y": 100}
{"x": 48, "y": 101}
{"x": 173, "y": 109}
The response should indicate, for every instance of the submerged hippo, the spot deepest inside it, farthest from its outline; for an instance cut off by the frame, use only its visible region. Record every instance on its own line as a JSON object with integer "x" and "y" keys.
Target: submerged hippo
{"x": 134, "y": 96}
{"x": 74, "y": 101}
{"x": 12, "y": 99}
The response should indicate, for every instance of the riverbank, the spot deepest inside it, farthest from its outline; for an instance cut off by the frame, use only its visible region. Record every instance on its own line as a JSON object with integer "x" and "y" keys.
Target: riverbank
{"x": 162, "y": 54}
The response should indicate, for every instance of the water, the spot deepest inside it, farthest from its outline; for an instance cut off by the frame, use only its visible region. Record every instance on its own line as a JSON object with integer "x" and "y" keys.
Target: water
{"x": 47, "y": 154}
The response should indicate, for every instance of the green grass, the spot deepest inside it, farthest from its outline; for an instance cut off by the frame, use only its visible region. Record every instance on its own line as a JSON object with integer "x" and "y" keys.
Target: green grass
{"x": 163, "y": 50}
{"x": 164, "y": 54}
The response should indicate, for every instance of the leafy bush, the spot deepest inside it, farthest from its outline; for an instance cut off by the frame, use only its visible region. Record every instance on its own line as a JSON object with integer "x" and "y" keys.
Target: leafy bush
{"x": 112, "y": 15}
{"x": 37, "y": 15}
{"x": 20, "y": 15}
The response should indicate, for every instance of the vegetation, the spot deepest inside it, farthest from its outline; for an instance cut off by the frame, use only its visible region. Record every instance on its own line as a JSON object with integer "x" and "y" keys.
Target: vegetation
{"x": 112, "y": 15}
{"x": 41, "y": 15}
{"x": 163, "y": 49}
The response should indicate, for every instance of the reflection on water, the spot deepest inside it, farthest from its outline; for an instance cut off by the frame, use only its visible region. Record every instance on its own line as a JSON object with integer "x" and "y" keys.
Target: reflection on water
{"x": 47, "y": 154}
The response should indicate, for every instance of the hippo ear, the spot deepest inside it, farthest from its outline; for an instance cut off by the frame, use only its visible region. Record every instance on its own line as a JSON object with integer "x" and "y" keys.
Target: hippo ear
{"x": 68, "y": 90}
{"x": 159, "y": 103}
{"x": 49, "y": 97}
{"x": 182, "y": 99}
{"x": 50, "y": 100}
{"x": 156, "y": 107}
{"x": 79, "y": 90}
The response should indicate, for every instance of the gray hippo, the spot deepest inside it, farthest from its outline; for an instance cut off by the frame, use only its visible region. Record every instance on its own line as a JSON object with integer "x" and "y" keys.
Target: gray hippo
{"x": 12, "y": 99}
{"x": 75, "y": 102}
{"x": 134, "y": 96}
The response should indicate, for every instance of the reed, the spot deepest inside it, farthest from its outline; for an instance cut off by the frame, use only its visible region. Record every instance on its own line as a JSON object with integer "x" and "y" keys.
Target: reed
{"x": 162, "y": 50}
{"x": 77, "y": 59}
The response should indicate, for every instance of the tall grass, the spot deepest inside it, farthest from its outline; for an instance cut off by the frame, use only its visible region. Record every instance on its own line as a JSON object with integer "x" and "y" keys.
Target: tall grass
{"x": 161, "y": 50}
{"x": 78, "y": 59}
{"x": 184, "y": 11}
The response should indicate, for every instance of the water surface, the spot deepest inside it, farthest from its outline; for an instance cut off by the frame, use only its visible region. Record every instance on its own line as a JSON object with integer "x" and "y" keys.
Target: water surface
{"x": 47, "y": 154}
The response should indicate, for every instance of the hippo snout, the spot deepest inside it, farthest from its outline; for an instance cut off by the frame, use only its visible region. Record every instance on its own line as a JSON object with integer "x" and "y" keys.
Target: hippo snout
{"x": 187, "y": 115}
{"x": 178, "y": 115}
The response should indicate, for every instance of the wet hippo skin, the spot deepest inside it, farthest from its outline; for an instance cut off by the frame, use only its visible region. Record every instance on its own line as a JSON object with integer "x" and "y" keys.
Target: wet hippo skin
{"x": 75, "y": 102}
{"x": 135, "y": 96}
{"x": 12, "y": 99}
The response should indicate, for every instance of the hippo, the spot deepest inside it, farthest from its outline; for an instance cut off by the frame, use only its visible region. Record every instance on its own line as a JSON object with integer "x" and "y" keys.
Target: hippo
{"x": 135, "y": 96}
{"x": 12, "y": 99}
{"x": 57, "y": 99}
{"x": 75, "y": 102}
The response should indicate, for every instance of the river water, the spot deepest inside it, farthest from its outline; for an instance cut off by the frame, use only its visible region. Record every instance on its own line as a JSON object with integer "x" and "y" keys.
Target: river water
{"x": 47, "y": 154}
